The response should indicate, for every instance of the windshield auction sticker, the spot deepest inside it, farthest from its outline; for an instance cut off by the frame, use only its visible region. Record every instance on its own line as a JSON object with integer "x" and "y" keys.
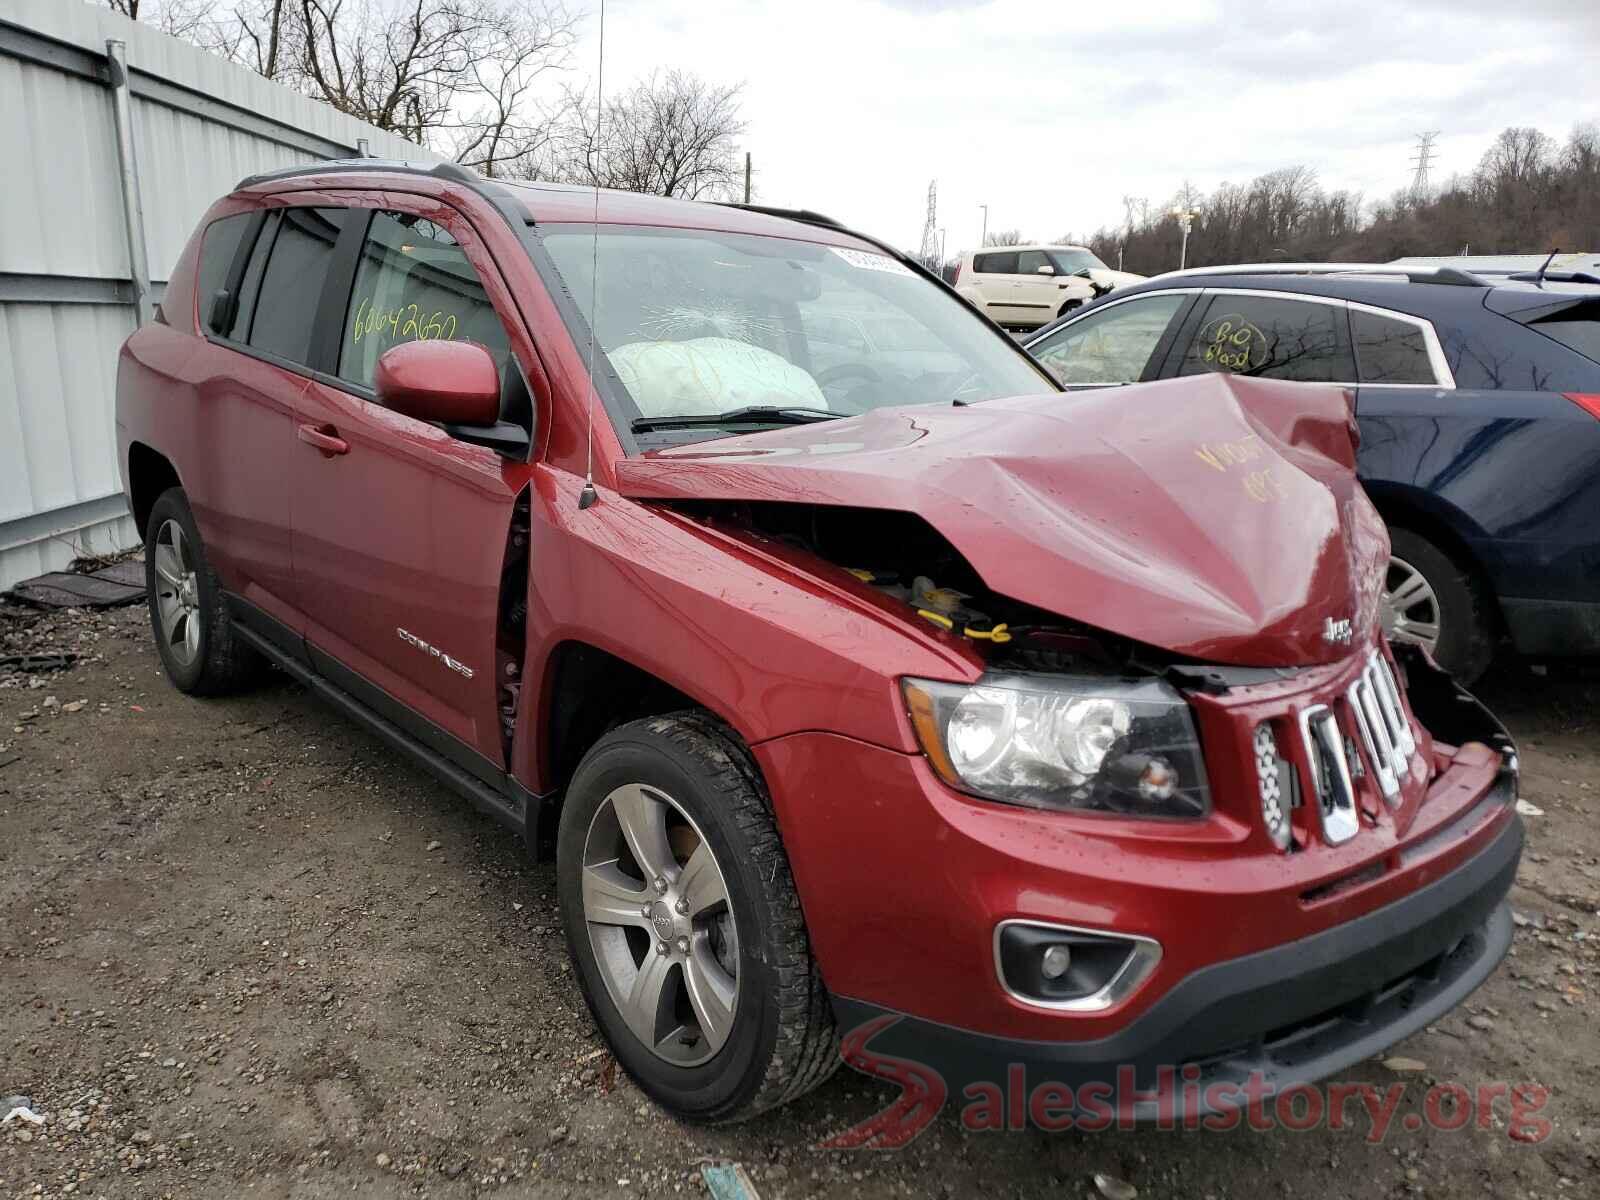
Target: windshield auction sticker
{"x": 871, "y": 262}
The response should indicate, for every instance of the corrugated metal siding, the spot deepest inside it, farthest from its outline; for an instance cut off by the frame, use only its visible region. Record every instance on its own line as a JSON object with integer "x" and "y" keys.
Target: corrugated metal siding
{"x": 61, "y": 215}
{"x": 61, "y": 206}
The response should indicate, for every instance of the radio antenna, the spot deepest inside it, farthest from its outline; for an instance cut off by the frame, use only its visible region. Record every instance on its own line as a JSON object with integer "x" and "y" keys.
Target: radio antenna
{"x": 588, "y": 496}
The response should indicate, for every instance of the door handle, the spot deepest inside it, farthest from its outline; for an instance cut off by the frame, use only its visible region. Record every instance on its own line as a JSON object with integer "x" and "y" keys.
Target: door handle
{"x": 325, "y": 438}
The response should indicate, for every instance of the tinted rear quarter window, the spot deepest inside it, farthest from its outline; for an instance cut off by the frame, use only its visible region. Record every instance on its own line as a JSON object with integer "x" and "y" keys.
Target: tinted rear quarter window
{"x": 291, "y": 286}
{"x": 1576, "y": 328}
{"x": 218, "y": 246}
{"x": 1388, "y": 350}
{"x": 1271, "y": 338}
{"x": 996, "y": 263}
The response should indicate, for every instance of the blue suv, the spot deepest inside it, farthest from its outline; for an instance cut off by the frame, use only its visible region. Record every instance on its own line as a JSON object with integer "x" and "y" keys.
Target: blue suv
{"x": 1478, "y": 399}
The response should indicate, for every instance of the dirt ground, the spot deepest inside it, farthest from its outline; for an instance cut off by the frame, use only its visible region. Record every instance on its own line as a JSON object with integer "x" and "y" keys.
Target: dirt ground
{"x": 243, "y": 951}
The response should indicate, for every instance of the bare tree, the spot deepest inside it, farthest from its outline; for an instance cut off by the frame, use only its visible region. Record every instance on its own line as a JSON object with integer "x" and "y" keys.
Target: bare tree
{"x": 465, "y": 78}
{"x": 1516, "y": 156}
{"x": 671, "y": 134}
{"x": 180, "y": 18}
{"x": 409, "y": 65}
{"x": 1527, "y": 195}
{"x": 458, "y": 76}
{"x": 1003, "y": 237}
{"x": 263, "y": 35}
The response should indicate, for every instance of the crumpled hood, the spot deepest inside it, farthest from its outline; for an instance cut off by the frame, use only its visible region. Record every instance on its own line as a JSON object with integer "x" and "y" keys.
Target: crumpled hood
{"x": 1115, "y": 278}
{"x": 1213, "y": 516}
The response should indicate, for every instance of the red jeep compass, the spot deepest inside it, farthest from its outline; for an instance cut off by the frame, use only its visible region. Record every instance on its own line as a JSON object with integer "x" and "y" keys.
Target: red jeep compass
{"x": 849, "y": 671}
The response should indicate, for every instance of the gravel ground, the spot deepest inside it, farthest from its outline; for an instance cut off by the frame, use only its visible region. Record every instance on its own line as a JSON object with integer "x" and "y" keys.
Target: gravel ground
{"x": 242, "y": 949}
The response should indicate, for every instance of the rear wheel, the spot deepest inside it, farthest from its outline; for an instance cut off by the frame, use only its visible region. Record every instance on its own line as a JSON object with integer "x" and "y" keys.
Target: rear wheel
{"x": 188, "y": 612}
{"x": 682, "y": 918}
{"x": 1432, "y": 601}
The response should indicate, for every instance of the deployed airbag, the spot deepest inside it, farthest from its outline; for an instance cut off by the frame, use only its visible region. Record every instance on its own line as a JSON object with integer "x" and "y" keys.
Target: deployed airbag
{"x": 710, "y": 375}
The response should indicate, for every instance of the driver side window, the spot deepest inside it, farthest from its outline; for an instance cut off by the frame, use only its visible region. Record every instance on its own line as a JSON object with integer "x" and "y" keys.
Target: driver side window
{"x": 1029, "y": 262}
{"x": 414, "y": 283}
{"x": 1113, "y": 345}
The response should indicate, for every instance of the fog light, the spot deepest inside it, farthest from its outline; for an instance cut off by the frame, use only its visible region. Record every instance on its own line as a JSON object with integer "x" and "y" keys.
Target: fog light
{"x": 1077, "y": 970}
{"x": 1055, "y": 962}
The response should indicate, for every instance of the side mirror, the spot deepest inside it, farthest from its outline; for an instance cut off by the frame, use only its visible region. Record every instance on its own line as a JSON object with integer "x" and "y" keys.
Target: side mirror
{"x": 1047, "y": 269}
{"x": 454, "y": 383}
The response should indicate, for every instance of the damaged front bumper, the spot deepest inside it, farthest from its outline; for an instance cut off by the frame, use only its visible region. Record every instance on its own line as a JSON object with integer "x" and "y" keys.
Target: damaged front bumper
{"x": 1281, "y": 967}
{"x": 1293, "y": 1014}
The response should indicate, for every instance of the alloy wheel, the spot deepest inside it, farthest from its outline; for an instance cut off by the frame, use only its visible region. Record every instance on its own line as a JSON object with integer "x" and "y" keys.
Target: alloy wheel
{"x": 661, "y": 925}
{"x": 1410, "y": 608}
{"x": 177, "y": 593}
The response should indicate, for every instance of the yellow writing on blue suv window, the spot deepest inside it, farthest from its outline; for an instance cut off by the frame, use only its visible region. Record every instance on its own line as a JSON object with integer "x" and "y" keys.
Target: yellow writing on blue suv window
{"x": 1233, "y": 344}
{"x": 404, "y": 322}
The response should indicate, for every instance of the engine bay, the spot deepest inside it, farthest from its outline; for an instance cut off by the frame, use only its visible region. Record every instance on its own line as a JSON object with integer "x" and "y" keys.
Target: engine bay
{"x": 903, "y": 558}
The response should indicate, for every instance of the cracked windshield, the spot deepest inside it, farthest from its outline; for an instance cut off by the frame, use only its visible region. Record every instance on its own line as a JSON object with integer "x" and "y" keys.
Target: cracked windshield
{"x": 699, "y": 325}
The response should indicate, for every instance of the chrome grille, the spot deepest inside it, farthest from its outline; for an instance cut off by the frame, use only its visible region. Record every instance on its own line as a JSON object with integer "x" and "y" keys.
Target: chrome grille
{"x": 1338, "y": 763}
{"x": 1385, "y": 733}
{"x": 1330, "y": 772}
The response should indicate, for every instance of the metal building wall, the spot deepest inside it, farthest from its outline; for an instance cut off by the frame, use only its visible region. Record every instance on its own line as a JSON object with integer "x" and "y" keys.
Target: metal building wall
{"x": 199, "y": 125}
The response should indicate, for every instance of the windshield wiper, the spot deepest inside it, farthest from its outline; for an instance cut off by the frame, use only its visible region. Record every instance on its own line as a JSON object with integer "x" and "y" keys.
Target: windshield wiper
{"x": 755, "y": 414}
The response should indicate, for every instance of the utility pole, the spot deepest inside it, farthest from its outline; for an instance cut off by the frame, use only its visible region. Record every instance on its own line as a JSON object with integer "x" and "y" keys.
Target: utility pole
{"x": 1186, "y": 218}
{"x": 1422, "y": 160}
{"x": 941, "y": 248}
{"x": 983, "y": 238}
{"x": 747, "y": 177}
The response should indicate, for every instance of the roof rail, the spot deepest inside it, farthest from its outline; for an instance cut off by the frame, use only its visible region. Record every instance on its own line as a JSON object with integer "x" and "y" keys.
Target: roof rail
{"x": 1452, "y": 276}
{"x": 804, "y": 215}
{"x": 490, "y": 189}
{"x": 443, "y": 170}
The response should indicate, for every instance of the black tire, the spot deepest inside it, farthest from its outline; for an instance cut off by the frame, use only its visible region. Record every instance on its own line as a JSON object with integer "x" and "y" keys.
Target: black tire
{"x": 220, "y": 662}
{"x": 782, "y": 1041}
{"x": 1466, "y": 628}
{"x": 1069, "y": 306}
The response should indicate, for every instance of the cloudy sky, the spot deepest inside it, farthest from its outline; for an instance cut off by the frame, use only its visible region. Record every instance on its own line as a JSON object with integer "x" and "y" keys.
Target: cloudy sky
{"x": 1049, "y": 111}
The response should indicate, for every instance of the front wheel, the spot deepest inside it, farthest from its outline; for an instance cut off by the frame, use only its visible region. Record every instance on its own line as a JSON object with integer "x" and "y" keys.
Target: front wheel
{"x": 681, "y": 915}
{"x": 1432, "y": 601}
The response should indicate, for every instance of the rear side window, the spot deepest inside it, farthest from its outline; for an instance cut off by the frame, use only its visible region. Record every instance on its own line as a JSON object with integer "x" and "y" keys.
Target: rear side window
{"x": 1111, "y": 345}
{"x": 1270, "y": 338}
{"x": 1576, "y": 328}
{"x": 414, "y": 283}
{"x": 996, "y": 264}
{"x": 218, "y": 247}
{"x": 291, "y": 286}
{"x": 1388, "y": 350}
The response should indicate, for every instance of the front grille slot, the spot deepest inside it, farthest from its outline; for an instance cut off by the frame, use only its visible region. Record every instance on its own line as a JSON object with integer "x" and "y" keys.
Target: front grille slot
{"x": 1375, "y": 736}
{"x": 1330, "y": 773}
{"x": 1380, "y": 717}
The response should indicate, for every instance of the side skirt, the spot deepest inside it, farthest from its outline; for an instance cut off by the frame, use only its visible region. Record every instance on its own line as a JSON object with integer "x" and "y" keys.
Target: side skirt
{"x": 514, "y": 807}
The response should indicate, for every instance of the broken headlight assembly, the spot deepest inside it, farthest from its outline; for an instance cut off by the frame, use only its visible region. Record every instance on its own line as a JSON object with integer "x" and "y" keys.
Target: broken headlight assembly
{"x": 1074, "y": 743}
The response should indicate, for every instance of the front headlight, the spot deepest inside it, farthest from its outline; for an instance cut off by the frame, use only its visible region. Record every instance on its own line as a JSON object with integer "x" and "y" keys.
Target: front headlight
{"x": 1065, "y": 742}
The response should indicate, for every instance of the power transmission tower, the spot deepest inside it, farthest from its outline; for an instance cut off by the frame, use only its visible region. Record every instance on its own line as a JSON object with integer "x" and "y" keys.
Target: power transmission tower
{"x": 930, "y": 230}
{"x": 1422, "y": 160}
